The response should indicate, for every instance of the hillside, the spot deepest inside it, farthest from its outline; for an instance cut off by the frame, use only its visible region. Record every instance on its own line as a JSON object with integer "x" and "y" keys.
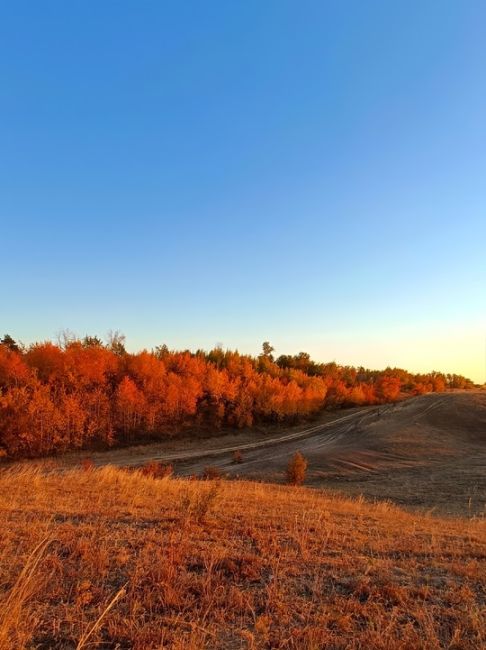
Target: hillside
{"x": 424, "y": 452}
{"x": 122, "y": 560}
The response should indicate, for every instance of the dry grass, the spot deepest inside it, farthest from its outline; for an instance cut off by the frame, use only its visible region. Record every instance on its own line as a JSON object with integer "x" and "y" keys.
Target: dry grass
{"x": 113, "y": 559}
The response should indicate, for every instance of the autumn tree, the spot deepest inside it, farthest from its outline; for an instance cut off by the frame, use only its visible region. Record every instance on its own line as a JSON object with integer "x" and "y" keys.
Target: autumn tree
{"x": 129, "y": 405}
{"x": 76, "y": 393}
{"x": 13, "y": 370}
{"x": 388, "y": 388}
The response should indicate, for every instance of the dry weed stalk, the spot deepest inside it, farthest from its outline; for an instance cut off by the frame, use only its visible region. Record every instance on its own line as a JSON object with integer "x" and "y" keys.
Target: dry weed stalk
{"x": 82, "y": 643}
{"x": 29, "y": 582}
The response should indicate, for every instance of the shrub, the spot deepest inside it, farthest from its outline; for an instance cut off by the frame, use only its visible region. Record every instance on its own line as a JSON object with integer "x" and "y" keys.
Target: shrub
{"x": 237, "y": 456}
{"x": 212, "y": 473}
{"x": 196, "y": 503}
{"x": 296, "y": 469}
{"x": 157, "y": 470}
{"x": 87, "y": 464}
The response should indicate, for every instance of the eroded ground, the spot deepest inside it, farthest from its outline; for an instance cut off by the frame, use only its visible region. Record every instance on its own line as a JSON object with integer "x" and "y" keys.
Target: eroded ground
{"x": 428, "y": 453}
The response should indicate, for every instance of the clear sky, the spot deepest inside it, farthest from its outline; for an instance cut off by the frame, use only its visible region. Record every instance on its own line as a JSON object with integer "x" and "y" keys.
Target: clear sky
{"x": 309, "y": 173}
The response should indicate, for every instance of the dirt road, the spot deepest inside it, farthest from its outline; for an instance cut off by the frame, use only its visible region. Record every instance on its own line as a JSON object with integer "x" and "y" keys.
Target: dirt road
{"x": 428, "y": 452}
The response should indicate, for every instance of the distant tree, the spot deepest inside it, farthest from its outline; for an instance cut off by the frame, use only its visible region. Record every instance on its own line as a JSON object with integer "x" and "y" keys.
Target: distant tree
{"x": 116, "y": 342}
{"x": 296, "y": 469}
{"x": 267, "y": 350}
{"x": 161, "y": 351}
{"x": 337, "y": 394}
{"x": 92, "y": 342}
{"x": 130, "y": 403}
{"x": 356, "y": 395}
{"x": 265, "y": 361}
{"x": 48, "y": 360}
{"x": 388, "y": 388}
{"x": 10, "y": 343}
{"x": 65, "y": 338}
{"x": 13, "y": 370}
{"x": 438, "y": 382}
{"x": 301, "y": 361}
{"x": 216, "y": 355}
{"x": 284, "y": 361}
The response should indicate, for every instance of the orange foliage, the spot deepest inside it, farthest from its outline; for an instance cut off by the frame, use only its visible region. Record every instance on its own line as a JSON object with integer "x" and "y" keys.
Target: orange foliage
{"x": 48, "y": 360}
{"x": 388, "y": 388}
{"x": 54, "y": 398}
{"x": 12, "y": 367}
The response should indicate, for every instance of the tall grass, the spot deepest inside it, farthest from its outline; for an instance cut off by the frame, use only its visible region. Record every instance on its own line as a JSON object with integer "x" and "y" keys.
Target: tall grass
{"x": 14, "y": 615}
{"x": 110, "y": 558}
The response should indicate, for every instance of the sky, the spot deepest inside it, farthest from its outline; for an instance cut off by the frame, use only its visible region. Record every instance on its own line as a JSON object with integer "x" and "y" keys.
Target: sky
{"x": 308, "y": 173}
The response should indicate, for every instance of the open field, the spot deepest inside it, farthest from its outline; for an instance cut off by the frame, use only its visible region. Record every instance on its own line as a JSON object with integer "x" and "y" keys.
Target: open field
{"x": 123, "y": 560}
{"x": 427, "y": 452}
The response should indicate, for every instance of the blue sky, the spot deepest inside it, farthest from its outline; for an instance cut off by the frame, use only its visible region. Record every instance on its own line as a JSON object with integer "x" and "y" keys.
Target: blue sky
{"x": 311, "y": 173}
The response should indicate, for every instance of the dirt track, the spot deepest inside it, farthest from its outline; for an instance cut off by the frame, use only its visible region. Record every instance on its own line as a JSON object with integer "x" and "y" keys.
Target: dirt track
{"x": 428, "y": 453}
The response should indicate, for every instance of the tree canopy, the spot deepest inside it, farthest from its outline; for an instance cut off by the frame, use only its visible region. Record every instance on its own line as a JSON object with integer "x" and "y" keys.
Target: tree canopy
{"x": 82, "y": 392}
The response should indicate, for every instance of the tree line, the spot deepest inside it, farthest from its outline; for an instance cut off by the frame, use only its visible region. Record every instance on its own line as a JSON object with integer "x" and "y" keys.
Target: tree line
{"x": 85, "y": 393}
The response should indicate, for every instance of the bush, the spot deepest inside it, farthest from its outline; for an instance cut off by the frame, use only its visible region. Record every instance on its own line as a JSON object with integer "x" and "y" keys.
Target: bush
{"x": 157, "y": 470}
{"x": 87, "y": 465}
{"x": 296, "y": 469}
{"x": 196, "y": 504}
{"x": 212, "y": 473}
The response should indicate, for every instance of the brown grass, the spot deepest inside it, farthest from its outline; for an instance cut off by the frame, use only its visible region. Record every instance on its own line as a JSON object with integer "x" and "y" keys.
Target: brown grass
{"x": 116, "y": 559}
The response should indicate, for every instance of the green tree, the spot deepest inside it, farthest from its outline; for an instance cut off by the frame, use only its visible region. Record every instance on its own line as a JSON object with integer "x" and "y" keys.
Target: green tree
{"x": 92, "y": 342}
{"x": 116, "y": 342}
{"x": 267, "y": 350}
{"x": 10, "y": 343}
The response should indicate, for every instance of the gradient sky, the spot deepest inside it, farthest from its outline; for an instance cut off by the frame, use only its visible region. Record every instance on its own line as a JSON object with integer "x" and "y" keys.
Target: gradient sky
{"x": 311, "y": 173}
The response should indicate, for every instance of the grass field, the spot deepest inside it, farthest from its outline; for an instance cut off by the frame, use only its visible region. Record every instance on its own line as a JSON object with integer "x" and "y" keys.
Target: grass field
{"x": 107, "y": 558}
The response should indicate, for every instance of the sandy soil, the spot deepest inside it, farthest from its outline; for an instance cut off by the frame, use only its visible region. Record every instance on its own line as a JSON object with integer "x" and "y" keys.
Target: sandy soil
{"x": 426, "y": 453}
